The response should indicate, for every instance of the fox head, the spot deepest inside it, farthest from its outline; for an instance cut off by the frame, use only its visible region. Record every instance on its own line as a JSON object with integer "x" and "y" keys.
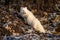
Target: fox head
{"x": 23, "y": 11}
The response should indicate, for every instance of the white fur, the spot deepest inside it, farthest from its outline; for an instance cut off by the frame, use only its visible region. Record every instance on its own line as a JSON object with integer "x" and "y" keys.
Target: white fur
{"x": 31, "y": 19}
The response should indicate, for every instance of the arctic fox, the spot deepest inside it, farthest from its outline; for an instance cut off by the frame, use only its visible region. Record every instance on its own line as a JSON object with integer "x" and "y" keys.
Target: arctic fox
{"x": 31, "y": 19}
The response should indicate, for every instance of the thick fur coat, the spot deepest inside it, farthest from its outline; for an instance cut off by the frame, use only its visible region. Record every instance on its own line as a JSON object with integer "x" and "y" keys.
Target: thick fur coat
{"x": 31, "y": 19}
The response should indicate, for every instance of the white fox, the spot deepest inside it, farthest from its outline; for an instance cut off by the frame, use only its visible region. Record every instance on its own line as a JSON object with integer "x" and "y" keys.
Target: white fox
{"x": 31, "y": 19}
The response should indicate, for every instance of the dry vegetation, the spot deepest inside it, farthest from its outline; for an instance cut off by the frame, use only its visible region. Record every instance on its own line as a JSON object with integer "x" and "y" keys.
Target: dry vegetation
{"x": 44, "y": 10}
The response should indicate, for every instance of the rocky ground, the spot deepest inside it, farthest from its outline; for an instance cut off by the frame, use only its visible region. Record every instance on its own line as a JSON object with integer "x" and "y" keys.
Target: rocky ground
{"x": 47, "y": 11}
